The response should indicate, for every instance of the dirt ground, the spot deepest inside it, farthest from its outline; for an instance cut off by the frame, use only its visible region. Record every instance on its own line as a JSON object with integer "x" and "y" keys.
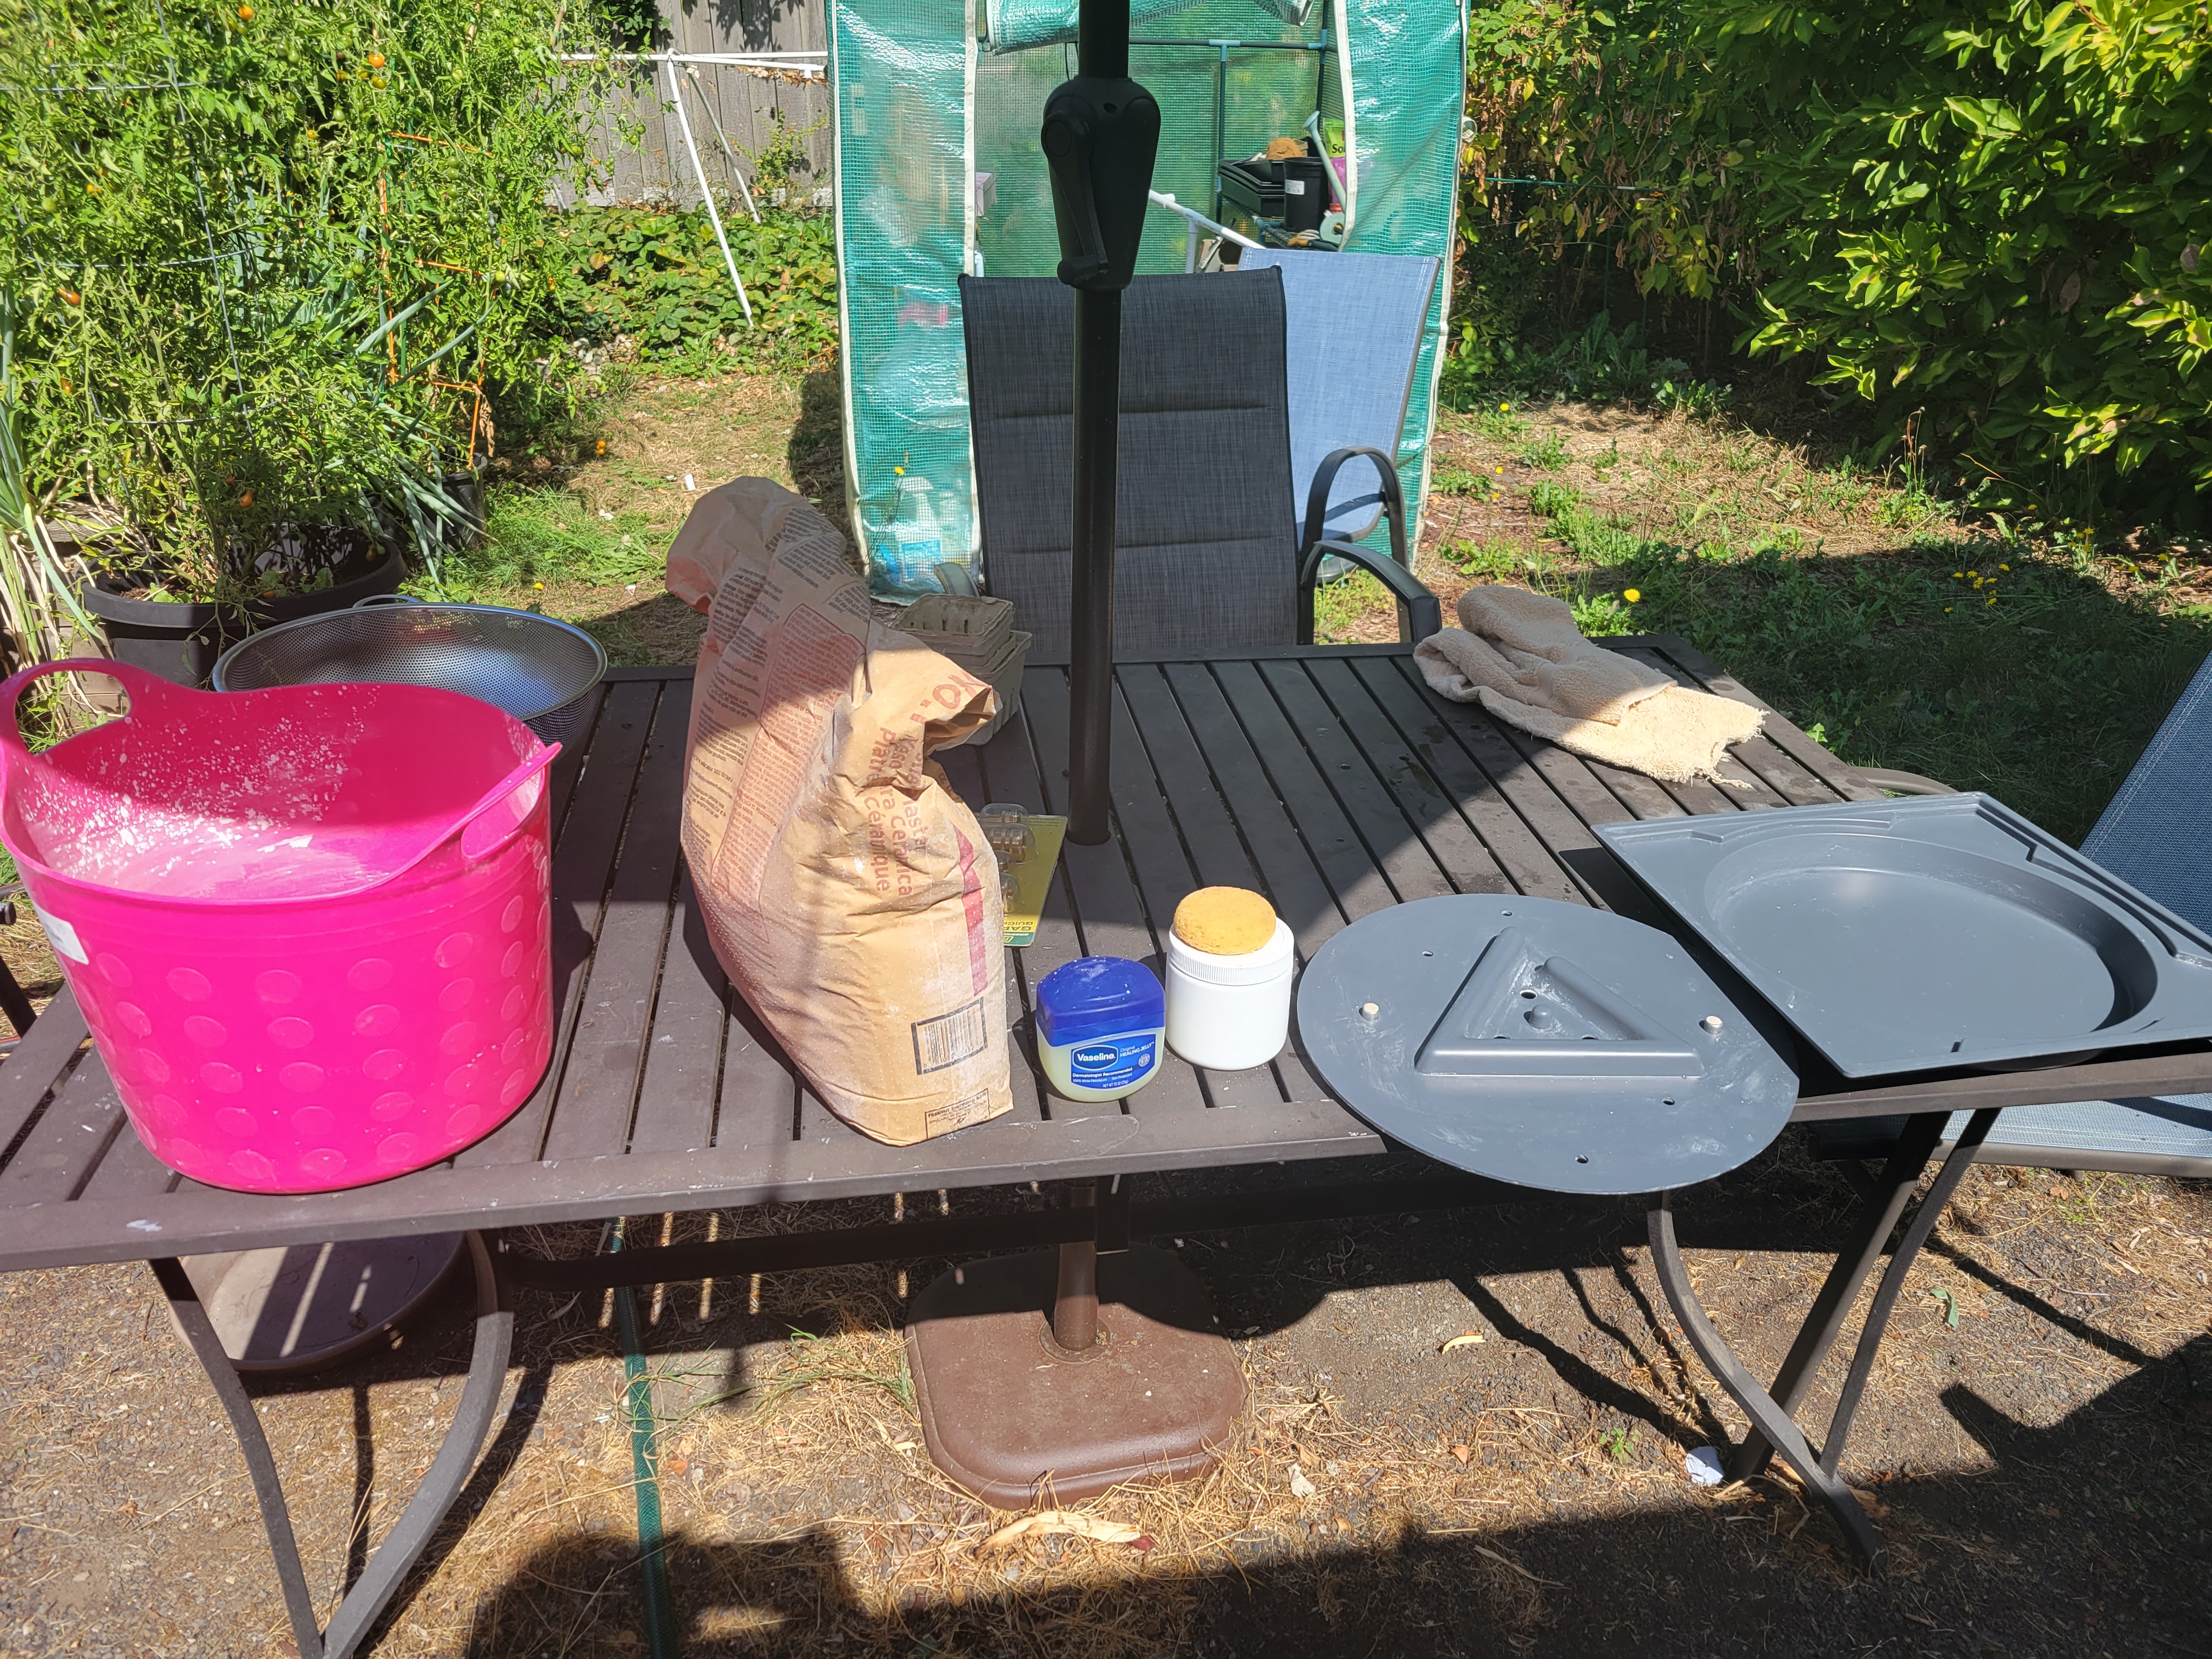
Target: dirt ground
{"x": 2037, "y": 1440}
{"x": 2039, "y": 1468}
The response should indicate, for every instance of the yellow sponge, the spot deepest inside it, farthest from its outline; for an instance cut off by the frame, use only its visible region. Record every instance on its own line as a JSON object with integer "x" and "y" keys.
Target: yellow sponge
{"x": 1225, "y": 921}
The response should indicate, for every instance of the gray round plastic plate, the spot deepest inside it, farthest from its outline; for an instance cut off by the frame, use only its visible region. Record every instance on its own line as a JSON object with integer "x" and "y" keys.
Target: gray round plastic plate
{"x": 1913, "y": 935}
{"x": 1541, "y": 1043}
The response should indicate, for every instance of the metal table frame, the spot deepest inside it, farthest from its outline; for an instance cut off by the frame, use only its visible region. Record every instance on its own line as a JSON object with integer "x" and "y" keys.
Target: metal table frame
{"x": 1331, "y": 778}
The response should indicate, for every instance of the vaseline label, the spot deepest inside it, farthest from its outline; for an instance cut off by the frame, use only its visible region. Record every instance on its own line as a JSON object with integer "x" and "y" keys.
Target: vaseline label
{"x": 1112, "y": 1064}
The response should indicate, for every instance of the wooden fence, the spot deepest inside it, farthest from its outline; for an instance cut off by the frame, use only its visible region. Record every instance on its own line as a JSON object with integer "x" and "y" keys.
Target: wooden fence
{"x": 745, "y": 103}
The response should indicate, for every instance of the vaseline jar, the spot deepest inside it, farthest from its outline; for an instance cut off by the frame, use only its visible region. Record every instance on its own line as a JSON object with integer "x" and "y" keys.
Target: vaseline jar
{"x": 1231, "y": 962}
{"x": 1101, "y": 1025}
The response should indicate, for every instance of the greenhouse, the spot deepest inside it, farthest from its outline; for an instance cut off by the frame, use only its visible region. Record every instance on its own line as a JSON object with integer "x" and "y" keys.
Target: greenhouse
{"x": 938, "y": 174}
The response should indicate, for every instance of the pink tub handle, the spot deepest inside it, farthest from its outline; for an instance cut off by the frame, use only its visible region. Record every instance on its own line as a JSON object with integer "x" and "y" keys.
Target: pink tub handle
{"x": 144, "y": 689}
{"x": 481, "y": 829}
{"x": 505, "y": 806}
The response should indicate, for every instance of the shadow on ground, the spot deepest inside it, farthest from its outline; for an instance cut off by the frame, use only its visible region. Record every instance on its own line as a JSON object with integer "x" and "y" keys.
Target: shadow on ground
{"x": 817, "y": 454}
{"x": 2018, "y": 1561}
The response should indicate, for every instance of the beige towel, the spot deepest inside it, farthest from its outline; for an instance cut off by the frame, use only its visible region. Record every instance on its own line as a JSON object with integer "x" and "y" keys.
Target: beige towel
{"x": 1519, "y": 655}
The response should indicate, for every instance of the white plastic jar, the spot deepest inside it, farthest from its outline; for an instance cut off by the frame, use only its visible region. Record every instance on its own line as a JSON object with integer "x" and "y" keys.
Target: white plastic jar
{"x": 1230, "y": 1013}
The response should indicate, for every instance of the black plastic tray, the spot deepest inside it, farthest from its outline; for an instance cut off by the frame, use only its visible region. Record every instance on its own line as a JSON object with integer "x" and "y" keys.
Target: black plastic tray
{"x": 1939, "y": 932}
{"x": 1543, "y": 1043}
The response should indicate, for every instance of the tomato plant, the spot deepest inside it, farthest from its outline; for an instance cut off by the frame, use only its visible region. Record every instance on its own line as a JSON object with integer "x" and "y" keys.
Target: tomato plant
{"x": 262, "y": 256}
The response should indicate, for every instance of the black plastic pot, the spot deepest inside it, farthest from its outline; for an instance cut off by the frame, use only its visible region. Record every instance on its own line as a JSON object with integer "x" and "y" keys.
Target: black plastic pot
{"x": 179, "y": 642}
{"x": 465, "y": 491}
{"x": 383, "y": 577}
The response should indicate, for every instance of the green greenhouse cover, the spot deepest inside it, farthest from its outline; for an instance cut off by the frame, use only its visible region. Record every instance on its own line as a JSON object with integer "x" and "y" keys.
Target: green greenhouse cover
{"x": 939, "y": 172}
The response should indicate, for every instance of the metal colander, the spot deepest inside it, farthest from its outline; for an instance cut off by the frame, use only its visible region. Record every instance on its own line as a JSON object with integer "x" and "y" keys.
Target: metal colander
{"x": 537, "y": 669}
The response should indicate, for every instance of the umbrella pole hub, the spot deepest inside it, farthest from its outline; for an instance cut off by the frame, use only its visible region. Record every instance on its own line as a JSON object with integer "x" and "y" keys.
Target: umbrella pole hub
{"x": 1101, "y": 134}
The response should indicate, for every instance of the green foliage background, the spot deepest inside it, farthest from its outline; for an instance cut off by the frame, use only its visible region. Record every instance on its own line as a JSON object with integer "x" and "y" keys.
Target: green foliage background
{"x": 1985, "y": 218}
{"x": 246, "y": 242}
{"x": 656, "y": 278}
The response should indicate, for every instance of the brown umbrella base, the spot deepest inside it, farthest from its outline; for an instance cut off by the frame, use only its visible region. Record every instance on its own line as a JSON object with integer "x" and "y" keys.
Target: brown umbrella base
{"x": 1011, "y": 1418}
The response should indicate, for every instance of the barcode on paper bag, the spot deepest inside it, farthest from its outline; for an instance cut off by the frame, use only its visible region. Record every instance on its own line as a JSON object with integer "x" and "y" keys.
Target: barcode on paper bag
{"x": 950, "y": 1038}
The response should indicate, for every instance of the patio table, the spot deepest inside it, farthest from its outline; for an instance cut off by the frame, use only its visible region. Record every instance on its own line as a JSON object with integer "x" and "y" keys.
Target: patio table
{"x": 1330, "y": 778}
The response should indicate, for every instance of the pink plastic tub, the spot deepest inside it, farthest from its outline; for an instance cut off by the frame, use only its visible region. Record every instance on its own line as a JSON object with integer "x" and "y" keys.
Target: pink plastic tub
{"x": 308, "y": 927}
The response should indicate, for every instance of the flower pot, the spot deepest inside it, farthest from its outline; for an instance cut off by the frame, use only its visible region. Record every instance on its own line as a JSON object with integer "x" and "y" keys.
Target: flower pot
{"x": 383, "y": 576}
{"x": 179, "y": 642}
{"x": 465, "y": 491}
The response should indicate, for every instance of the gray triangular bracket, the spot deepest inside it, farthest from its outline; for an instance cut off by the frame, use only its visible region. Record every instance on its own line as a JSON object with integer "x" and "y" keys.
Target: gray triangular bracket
{"x": 1518, "y": 1015}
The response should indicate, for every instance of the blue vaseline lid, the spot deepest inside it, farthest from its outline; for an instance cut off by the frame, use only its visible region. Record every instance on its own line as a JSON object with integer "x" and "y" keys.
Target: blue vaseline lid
{"x": 1095, "y": 997}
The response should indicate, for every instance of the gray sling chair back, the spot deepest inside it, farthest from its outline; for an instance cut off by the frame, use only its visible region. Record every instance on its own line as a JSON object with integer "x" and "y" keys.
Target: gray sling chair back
{"x": 1207, "y": 555}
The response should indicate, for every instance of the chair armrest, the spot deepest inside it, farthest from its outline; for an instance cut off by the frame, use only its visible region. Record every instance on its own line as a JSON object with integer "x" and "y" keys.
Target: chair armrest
{"x": 1418, "y": 613}
{"x": 1903, "y": 783}
{"x": 1393, "y": 498}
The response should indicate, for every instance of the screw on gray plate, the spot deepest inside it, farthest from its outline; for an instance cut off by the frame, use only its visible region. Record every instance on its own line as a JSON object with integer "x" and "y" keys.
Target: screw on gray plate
{"x": 1369, "y": 1010}
{"x": 1711, "y": 1021}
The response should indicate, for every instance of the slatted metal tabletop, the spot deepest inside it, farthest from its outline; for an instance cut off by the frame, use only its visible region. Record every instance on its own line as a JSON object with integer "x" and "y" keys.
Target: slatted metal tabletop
{"x": 1332, "y": 780}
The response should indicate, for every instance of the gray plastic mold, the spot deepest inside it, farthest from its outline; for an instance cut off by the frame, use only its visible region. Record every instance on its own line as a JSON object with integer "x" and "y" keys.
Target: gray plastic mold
{"x": 1926, "y": 933}
{"x": 1541, "y": 1043}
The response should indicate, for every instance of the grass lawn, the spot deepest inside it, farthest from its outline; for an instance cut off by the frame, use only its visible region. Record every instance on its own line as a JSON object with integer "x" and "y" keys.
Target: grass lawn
{"x": 1861, "y": 606}
{"x": 1853, "y": 601}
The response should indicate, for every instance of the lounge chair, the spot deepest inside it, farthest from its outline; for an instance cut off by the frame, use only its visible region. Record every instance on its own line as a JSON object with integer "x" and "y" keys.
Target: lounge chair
{"x": 1352, "y": 337}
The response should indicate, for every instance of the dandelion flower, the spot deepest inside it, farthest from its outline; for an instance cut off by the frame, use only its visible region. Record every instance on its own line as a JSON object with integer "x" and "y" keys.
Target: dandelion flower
{"x": 1632, "y": 596}
{"x": 245, "y": 14}
{"x": 1947, "y": 609}
{"x": 2004, "y": 567}
{"x": 1500, "y": 470}
{"x": 538, "y": 584}
{"x": 1504, "y": 408}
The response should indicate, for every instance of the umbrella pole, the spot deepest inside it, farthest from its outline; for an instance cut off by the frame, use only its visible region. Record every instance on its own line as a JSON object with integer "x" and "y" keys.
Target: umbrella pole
{"x": 1090, "y": 662}
{"x": 1101, "y": 132}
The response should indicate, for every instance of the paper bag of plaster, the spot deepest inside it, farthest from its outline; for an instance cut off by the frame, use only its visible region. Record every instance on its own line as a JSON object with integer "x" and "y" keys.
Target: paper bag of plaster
{"x": 847, "y": 891}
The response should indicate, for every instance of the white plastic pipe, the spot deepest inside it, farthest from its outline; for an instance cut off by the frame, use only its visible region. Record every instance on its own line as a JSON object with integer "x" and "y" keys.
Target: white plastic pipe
{"x": 723, "y": 139}
{"x": 808, "y": 65}
{"x": 699, "y": 171}
{"x": 1198, "y": 220}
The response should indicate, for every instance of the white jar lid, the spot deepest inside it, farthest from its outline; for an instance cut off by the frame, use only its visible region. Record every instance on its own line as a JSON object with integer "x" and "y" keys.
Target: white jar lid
{"x": 1252, "y": 968}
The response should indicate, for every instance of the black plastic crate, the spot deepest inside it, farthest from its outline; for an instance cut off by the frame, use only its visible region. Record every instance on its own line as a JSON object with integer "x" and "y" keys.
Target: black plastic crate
{"x": 1294, "y": 192}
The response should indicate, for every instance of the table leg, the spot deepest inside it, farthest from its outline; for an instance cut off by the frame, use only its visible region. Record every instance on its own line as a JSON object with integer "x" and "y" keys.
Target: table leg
{"x": 403, "y": 1544}
{"x": 1767, "y": 1417}
{"x": 1773, "y": 1427}
{"x": 1885, "y": 1203}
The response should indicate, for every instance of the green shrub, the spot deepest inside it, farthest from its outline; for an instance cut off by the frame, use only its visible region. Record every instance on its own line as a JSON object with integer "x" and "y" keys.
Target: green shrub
{"x": 1986, "y": 218}
{"x": 658, "y": 278}
{"x": 264, "y": 258}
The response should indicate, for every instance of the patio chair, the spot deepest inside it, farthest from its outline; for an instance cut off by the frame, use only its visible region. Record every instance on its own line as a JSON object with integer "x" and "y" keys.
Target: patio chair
{"x": 1353, "y": 335}
{"x": 2153, "y": 836}
{"x": 1207, "y": 550}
